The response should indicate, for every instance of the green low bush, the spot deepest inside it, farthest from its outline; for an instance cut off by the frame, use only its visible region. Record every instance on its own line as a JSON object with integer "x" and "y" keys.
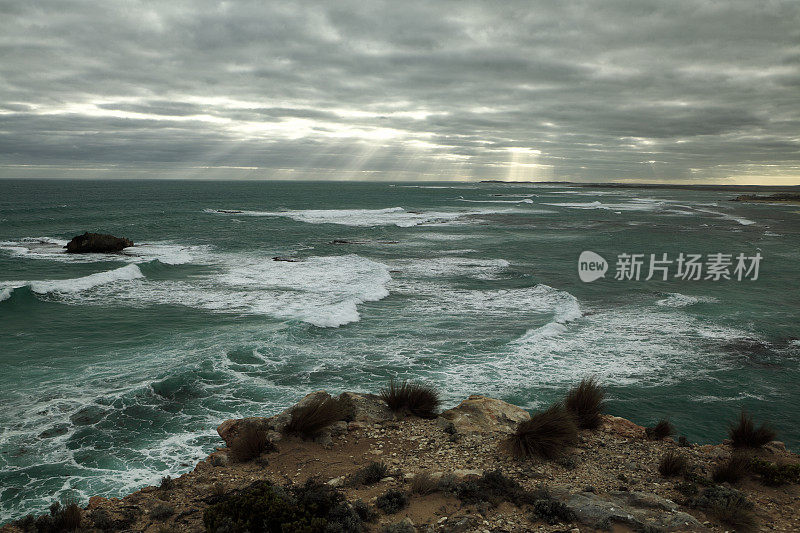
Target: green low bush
{"x": 728, "y": 506}
{"x": 774, "y": 474}
{"x": 313, "y": 507}
{"x": 392, "y": 501}
{"x": 495, "y": 487}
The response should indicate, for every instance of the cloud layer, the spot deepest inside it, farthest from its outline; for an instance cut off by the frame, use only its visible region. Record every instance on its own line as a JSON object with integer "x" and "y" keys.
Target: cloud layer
{"x": 686, "y": 90}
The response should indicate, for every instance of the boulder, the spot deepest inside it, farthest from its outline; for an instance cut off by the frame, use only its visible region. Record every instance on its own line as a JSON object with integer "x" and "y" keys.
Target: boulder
{"x": 622, "y": 427}
{"x": 636, "y": 510}
{"x": 481, "y": 414}
{"x": 366, "y": 409}
{"x": 97, "y": 243}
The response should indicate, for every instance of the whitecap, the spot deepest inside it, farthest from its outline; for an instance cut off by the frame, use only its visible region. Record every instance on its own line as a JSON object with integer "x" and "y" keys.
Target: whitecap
{"x": 391, "y": 216}
{"x": 452, "y": 266}
{"x": 128, "y": 272}
{"x": 677, "y": 299}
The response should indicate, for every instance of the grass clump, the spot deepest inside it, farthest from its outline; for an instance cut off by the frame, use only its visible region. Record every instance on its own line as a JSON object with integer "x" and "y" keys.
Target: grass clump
{"x": 672, "y": 464}
{"x": 586, "y": 402}
{"x": 547, "y": 434}
{"x": 774, "y": 474}
{"x": 310, "y": 419}
{"x": 370, "y": 474}
{"x": 494, "y": 487}
{"x": 418, "y": 399}
{"x": 661, "y": 430}
{"x": 423, "y": 483}
{"x": 392, "y": 501}
{"x": 728, "y": 506}
{"x": 250, "y": 444}
{"x": 744, "y": 434}
{"x": 732, "y": 470}
{"x": 313, "y": 507}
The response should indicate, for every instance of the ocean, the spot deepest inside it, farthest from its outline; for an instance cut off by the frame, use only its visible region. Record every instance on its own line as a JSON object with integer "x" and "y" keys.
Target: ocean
{"x": 116, "y": 369}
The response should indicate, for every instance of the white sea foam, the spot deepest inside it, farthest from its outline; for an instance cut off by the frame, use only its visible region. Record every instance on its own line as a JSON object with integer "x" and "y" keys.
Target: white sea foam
{"x": 323, "y": 291}
{"x": 520, "y": 201}
{"x": 639, "y": 204}
{"x": 741, "y": 220}
{"x": 625, "y": 345}
{"x": 451, "y": 266}
{"x": 5, "y": 293}
{"x": 392, "y": 216}
{"x": 676, "y": 299}
{"x": 128, "y": 272}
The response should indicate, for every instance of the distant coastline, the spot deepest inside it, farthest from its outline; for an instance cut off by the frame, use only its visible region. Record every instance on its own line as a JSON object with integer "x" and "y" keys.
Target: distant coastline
{"x": 789, "y": 189}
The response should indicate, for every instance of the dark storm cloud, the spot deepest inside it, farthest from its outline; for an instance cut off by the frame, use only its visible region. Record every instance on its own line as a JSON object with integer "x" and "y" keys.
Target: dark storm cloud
{"x": 639, "y": 89}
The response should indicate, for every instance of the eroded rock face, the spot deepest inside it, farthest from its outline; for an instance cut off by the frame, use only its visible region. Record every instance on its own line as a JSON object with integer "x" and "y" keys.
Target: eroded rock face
{"x": 97, "y": 243}
{"x": 481, "y": 414}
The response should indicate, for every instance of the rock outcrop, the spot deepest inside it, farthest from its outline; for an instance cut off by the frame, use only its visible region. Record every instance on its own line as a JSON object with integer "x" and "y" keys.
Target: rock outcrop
{"x": 97, "y": 243}
{"x": 481, "y": 414}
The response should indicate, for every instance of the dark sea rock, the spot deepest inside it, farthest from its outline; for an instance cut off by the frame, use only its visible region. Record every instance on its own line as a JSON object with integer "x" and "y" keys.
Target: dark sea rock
{"x": 97, "y": 243}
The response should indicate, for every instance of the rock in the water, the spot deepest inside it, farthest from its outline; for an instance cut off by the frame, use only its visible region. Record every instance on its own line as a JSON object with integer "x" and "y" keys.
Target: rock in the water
{"x": 97, "y": 243}
{"x": 481, "y": 414}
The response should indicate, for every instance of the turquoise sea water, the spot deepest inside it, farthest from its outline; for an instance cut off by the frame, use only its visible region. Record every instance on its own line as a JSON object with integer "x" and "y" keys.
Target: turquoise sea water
{"x": 116, "y": 369}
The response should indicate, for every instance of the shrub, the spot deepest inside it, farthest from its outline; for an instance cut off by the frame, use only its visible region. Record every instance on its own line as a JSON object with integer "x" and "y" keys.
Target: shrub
{"x": 547, "y": 434}
{"x": 732, "y": 470}
{"x": 61, "y": 518}
{"x": 661, "y": 430}
{"x": 310, "y": 419}
{"x": 392, "y": 501}
{"x": 218, "y": 489}
{"x": 311, "y": 507}
{"x": 166, "y": 483}
{"x": 70, "y": 518}
{"x": 586, "y": 403}
{"x": 249, "y": 444}
{"x": 773, "y": 474}
{"x": 552, "y": 511}
{"x": 744, "y": 434}
{"x": 495, "y": 487}
{"x": 162, "y": 512}
{"x": 424, "y": 483}
{"x": 364, "y": 511}
{"x": 416, "y": 398}
{"x": 729, "y": 506}
{"x": 687, "y": 488}
{"x": 370, "y": 474}
{"x": 672, "y": 464}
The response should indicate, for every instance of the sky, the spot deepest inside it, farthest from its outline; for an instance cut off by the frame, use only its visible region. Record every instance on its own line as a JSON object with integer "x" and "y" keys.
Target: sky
{"x": 677, "y": 91}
